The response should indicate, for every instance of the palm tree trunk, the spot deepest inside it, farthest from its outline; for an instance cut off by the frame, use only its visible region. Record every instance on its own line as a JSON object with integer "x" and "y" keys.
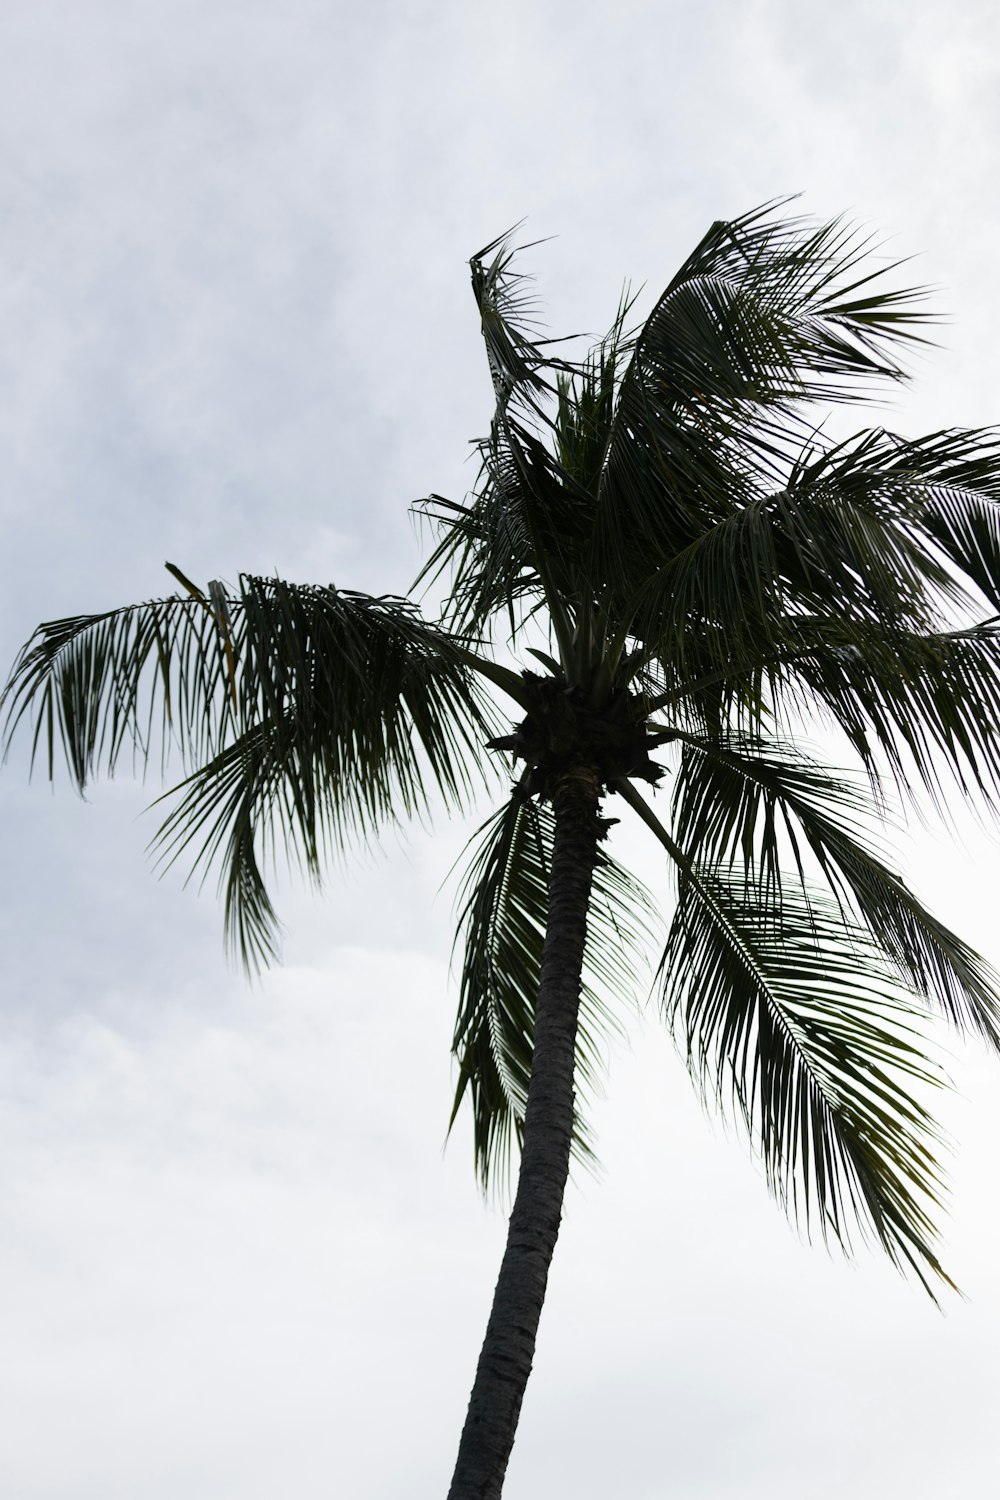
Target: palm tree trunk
{"x": 509, "y": 1345}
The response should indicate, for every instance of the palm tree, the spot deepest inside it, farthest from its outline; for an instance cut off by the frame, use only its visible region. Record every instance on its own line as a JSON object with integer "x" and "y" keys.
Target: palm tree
{"x": 700, "y": 571}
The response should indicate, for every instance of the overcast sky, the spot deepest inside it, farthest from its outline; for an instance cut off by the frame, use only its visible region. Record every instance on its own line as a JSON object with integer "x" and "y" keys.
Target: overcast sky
{"x": 236, "y": 332}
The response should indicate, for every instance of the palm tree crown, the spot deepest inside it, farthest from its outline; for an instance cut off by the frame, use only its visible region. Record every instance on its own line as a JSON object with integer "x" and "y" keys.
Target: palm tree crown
{"x": 702, "y": 573}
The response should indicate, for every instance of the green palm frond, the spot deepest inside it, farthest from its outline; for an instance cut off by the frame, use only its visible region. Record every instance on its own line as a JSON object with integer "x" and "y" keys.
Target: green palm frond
{"x": 915, "y": 522}
{"x": 927, "y": 706}
{"x": 485, "y": 548}
{"x": 769, "y": 808}
{"x": 712, "y": 607}
{"x": 776, "y": 305}
{"x": 504, "y": 906}
{"x": 789, "y": 1015}
{"x": 522, "y": 365}
{"x": 228, "y": 814}
{"x": 100, "y": 686}
{"x": 768, "y": 313}
{"x": 946, "y": 486}
{"x": 311, "y": 714}
{"x": 518, "y": 540}
{"x": 585, "y": 407}
{"x": 922, "y": 707}
{"x": 872, "y": 532}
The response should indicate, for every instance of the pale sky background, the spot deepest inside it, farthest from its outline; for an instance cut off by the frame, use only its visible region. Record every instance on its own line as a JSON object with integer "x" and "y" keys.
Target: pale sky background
{"x": 236, "y": 332}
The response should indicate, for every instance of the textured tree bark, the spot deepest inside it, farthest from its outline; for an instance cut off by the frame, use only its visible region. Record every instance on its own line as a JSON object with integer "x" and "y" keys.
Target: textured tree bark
{"x": 509, "y": 1345}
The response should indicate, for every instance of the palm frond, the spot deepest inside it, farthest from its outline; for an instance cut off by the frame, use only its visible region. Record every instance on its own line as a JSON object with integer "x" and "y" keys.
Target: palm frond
{"x": 712, "y": 607}
{"x": 228, "y": 815}
{"x": 522, "y": 365}
{"x": 947, "y": 488}
{"x": 790, "y": 310}
{"x": 313, "y": 714}
{"x": 927, "y": 705}
{"x": 920, "y": 707}
{"x": 516, "y": 544}
{"x": 585, "y": 408}
{"x": 517, "y": 540}
{"x": 788, "y": 1015}
{"x": 768, "y": 807}
{"x": 503, "y": 915}
{"x": 872, "y": 532}
{"x": 768, "y": 313}
{"x": 122, "y": 682}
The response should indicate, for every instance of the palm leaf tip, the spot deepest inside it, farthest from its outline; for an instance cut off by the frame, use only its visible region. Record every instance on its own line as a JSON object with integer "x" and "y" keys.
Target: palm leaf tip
{"x": 790, "y": 1016}
{"x": 795, "y": 300}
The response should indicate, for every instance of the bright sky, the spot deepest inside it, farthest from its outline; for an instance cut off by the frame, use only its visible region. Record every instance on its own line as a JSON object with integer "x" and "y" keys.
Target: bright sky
{"x": 236, "y": 332}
